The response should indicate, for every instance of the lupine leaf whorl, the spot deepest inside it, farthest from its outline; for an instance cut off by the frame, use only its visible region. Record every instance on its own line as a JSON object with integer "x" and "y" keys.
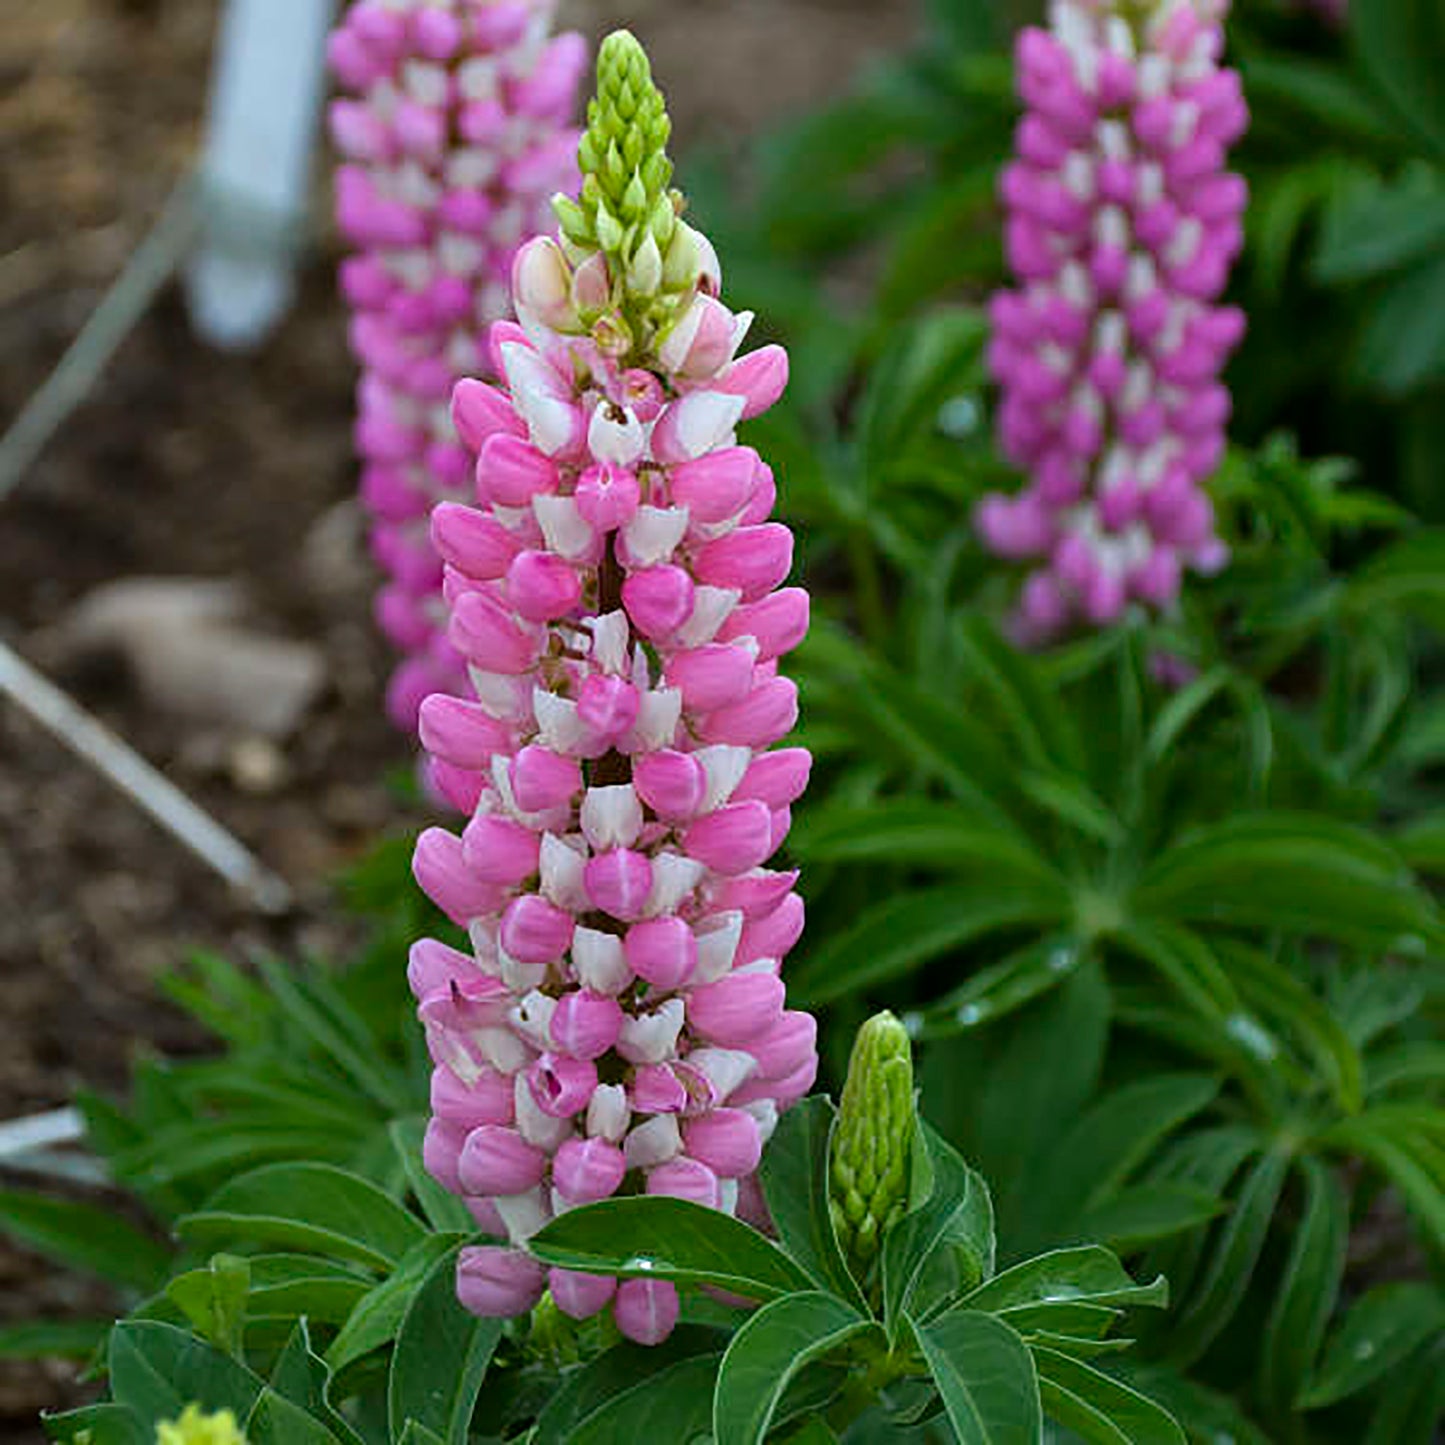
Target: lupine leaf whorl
{"x": 872, "y": 1143}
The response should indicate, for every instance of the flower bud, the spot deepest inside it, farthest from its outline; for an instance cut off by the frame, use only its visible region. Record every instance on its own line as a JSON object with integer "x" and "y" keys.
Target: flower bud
{"x": 586, "y": 1024}
{"x": 578, "y": 1295}
{"x": 586, "y": 1170}
{"x": 497, "y": 1161}
{"x": 497, "y": 1283}
{"x": 646, "y": 1310}
{"x": 873, "y": 1139}
{"x": 663, "y": 951}
{"x": 726, "y": 1140}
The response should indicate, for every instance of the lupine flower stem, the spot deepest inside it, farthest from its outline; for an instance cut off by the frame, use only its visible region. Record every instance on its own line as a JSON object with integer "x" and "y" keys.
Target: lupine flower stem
{"x": 1123, "y": 224}
{"x": 619, "y": 1023}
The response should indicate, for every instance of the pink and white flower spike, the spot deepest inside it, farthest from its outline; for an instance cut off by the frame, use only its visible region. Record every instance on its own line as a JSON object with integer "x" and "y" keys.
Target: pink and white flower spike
{"x": 455, "y": 132}
{"x": 618, "y": 1025}
{"x": 1122, "y": 227}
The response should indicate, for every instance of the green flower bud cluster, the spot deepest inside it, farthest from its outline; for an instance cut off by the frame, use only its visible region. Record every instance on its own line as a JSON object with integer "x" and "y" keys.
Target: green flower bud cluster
{"x": 628, "y": 212}
{"x": 196, "y": 1428}
{"x": 553, "y": 1336}
{"x": 873, "y": 1140}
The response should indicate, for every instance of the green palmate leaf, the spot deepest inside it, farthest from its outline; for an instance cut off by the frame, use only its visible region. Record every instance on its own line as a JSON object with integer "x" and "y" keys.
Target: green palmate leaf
{"x": 416, "y": 1434}
{"x": 1376, "y": 228}
{"x": 1308, "y": 1292}
{"x": 99, "y": 1425}
{"x": 441, "y": 1357}
{"x": 606, "y": 1400}
{"x": 917, "y": 833}
{"x": 997, "y": 991}
{"x": 1097, "y": 1407}
{"x": 288, "y": 1286}
{"x": 1189, "y": 703}
{"x": 766, "y": 1354}
{"x": 83, "y": 1237}
{"x": 1402, "y": 343}
{"x": 1072, "y": 802}
{"x": 214, "y": 1300}
{"x": 794, "y": 1176}
{"x": 308, "y": 1206}
{"x": 1404, "y": 576}
{"x": 659, "y": 1238}
{"x": 1392, "y": 1138}
{"x": 1146, "y": 1212}
{"x": 156, "y": 1370}
{"x": 1087, "y": 1274}
{"x": 1410, "y": 1411}
{"x": 986, "y": 1378}
{"x": 379, "y": 1315}
{"x": 955, "y": 1215}
{"x": 813, "y": 1431}
{"x": 58, "y": 1339}
{"x": 911, "y": 929}
{"x": 1207, "y": 1415}
{"x": 300, "y": 1376}
{"x": 1237, "y": 1249}
{"x": 1399, "y": 42}
{"x": 1299, "y": 873}
{"x": 1383, "y": 1326}
{"x": 444, "y": 1211}
{"x": 275, "y": 1420}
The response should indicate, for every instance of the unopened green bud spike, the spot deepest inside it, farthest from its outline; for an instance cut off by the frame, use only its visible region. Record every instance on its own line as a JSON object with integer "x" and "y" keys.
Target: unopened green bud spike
{"x": 873, "y": 1139}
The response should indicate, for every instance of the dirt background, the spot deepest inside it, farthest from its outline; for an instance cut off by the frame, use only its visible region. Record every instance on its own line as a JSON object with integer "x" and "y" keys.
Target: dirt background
{"x": 188, "y": 463}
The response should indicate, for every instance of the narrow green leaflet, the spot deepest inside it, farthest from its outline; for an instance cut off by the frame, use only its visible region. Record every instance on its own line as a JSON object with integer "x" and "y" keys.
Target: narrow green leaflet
{"x": 655, "y": 1237}
{"x": 1382, "y": 1328}
{"x": 58, "y": 1339}
{"x": 1308, "y": 1291}
{"x": 377, "y": 1318}
{"x": 601, "y": 1401}
{"x": 910, "y": 929}
{"x": 794, "y": 1177}
{"x": 1213, "y": 1302}
{"x": 1097, "y": 1407}
{"x": 307, "y": 1206}
{"x": 768, "y": 1351}
{"x": 156, "y": 1370}
{"x": 956, "y": 1213}
{"x": 275, "y": 1420}
{"x": 214, "y": 1300}
{"x": 98, "y": 1425}
{"x": 1088, "y": 1274}
{"x": 1001, "y": 988}
{"x": 288, "y": 1286}
{"x": 301, "y": 1376}
{"x": 83, "y": 1237}
{"x": 1146, "y": 1212}
{"x": 986, "y": 1377}
{"x": 441, "y": 1358}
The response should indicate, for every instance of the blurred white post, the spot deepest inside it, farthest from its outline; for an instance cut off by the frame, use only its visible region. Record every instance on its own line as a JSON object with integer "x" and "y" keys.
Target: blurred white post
{"x": 268, "y": 79}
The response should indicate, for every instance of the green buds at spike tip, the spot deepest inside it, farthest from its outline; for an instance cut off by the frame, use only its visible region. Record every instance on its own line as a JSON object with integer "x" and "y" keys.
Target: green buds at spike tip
{"x": 873, "y": 1139}
{"x": 196, "y": 1428}
{"x": 626, "y": 209}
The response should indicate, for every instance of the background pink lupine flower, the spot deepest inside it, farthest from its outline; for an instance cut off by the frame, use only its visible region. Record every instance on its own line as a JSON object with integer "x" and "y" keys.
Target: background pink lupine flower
{"x": 619, "y": 1024}
{"x": 1122, "y": 227}
{"x": 454, "y": 137}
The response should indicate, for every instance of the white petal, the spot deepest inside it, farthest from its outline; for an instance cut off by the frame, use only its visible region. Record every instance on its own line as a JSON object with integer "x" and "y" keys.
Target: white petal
{"x": 483, "y": 935}
{"x": 524, "y": 1214}
{"x": 725, "y": 766}
{"x": 532, "y": 1124}
{"x": 611, "y": 817}
{"x": 653, "y": 535}
{"x": 599, "y": 961}
{"x": 504, "y": 1051}
{"x": 707, "y": 420}
{"x": 678, "y": 342}
{"x": 711, "y": 607}
{"x": 653, "y": 1142}
{"x": 766, "y": 1114}
{"x": 563, "y": 526}
{"x": 674, "y": 877}
{"x": 717, "y": 946}
{"x": 651, "y": 1038}
{"x": 558, "y": 726}
{"x": 726, "y": 1069}
{"x": 727, "y": 1195}
{"x": 608, "y": 1115}
{"x": 532, "y": 1018}
{"x": 611, "y": 634}
{"x": 561, "y": 869}
{"x": 609, "y": 439}
{"x": 502, "y": 697}
{"x": 520, "y": 977}
{"x": 657, "y": 719}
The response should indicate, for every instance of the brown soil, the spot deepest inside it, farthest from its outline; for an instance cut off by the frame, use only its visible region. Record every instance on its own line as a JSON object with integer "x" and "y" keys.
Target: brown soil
{"x": 185, "y": 462}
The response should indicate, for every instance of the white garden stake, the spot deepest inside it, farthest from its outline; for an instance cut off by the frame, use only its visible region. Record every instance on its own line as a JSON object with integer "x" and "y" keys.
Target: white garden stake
{"x": 269, "y": 75}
